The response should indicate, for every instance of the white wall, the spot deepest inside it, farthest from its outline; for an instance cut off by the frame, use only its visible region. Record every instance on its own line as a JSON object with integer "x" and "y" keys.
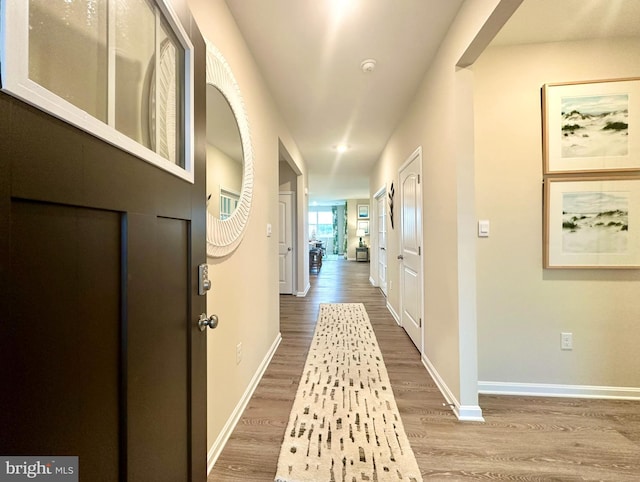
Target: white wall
{"x": 245, "y": 284}
{"x": 522, "y": 308}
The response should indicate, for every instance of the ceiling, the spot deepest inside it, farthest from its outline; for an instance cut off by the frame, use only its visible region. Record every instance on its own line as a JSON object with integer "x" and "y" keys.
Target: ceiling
{"x": 310, "y": 54}
{"x": 538, "y": 21}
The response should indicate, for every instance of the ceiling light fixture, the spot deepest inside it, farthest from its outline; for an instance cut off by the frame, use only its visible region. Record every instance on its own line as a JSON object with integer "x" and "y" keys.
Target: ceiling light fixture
{"x": 341, "y": 7}
{"x": 342, "y": 148}
{"x": 368, "y": 65}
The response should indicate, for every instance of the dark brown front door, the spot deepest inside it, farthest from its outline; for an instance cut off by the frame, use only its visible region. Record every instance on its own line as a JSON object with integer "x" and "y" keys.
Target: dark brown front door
{"x": 100, "y": 354}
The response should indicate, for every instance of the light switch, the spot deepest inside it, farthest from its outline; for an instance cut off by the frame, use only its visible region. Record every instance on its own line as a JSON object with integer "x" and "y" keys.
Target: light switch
{"x": 483, "y": 228}
{"x": 269, "y": 230}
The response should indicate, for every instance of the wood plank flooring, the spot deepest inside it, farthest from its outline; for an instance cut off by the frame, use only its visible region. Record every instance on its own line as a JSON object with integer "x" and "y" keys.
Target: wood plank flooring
{"x": 523, "y": 438}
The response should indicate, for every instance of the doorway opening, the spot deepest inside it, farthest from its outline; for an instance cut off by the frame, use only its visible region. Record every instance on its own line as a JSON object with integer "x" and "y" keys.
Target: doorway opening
{"x": 287, "y": 229}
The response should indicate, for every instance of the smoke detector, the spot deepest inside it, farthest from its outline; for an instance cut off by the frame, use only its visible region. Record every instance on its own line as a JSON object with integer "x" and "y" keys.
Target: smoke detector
{"x": 368, "y": 65}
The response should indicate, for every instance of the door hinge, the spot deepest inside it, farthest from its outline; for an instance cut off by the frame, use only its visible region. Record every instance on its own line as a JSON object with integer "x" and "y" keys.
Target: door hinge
{"x": 420, "y": 322}
{"x": 419, "y": 251}
{"x": 418, "y": 178}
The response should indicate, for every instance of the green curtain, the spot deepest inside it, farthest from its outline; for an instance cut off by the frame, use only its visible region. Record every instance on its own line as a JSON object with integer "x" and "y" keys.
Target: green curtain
{"x": 345, "y": 239}
{"x": 334, "y": 211}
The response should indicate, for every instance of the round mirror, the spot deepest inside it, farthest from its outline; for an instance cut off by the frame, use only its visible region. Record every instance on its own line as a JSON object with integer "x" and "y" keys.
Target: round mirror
{"x": 224, "y": 156}
{"x": 229, "y": 158}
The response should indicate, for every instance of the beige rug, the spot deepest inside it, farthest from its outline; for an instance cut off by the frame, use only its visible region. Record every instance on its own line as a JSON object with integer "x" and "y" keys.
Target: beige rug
{"x": 344, "y": 425}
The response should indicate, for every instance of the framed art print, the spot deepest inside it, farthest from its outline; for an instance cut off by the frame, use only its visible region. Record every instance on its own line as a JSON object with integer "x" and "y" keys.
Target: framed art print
{"x": 592, "y": 222}
{"x": 364, "y": 226}
{"x": 591, "y": 126}
{"x": 363, "y": 211}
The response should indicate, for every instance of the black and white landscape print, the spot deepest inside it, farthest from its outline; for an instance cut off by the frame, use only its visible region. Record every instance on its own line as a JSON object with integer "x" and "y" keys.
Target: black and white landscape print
{"x": 595, "y": 222}
{"x": 595, "y": 126}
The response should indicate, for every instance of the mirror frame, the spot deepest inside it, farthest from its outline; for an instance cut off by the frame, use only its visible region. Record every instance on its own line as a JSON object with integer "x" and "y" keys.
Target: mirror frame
{"x": 224, "y": 236}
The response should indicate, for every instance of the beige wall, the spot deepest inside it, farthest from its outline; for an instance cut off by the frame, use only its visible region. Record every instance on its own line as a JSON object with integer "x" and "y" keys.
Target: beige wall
{"x": 245, "y": 284}
{"x": 288, "y": 179}
{"x": 522, "y": 308}
{"x": 223, "y": 173}
{"x": 497, "y": 285}
{"x": 434, "y": 122}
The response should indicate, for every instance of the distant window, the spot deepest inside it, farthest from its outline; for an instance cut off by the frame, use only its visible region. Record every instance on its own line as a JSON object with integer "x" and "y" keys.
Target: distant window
{"x": 228, "y": 203}
{"x": 119, "y": 69}
{"x": 320, "y": 225}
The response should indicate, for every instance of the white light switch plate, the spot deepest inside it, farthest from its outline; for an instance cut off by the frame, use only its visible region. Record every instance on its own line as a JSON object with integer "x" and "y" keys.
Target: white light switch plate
{"x": 483, "y": 228}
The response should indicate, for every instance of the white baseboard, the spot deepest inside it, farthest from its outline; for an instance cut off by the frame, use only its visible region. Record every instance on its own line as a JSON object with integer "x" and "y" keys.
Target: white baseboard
{"x": 225, "y": 433}
{"x": 393, "y": 313}
{"x": 464, "y": 413}
{"x": 302, "y": 294}
{"x": 350, "y": 259}
{"x": 469, "y": 413}
{"x": 372, "y": 281}
{"x": 554, "y": 390}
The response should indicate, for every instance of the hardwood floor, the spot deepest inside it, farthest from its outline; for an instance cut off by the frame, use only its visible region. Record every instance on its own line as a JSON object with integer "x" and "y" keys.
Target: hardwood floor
{"x": 523, "y": 438}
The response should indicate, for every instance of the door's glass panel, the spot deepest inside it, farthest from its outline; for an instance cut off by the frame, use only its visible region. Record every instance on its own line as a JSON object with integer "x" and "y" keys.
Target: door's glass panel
{"x": 167, "y": 99}
{"x": 135, "y": 70}
{"x": 68, "y": 53}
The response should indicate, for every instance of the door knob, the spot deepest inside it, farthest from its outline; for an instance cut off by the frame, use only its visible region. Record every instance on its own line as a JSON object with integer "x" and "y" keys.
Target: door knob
{"x": 205, "y": 322}
{"x": 400, "y": 256}
{"x": 288, "y": 249}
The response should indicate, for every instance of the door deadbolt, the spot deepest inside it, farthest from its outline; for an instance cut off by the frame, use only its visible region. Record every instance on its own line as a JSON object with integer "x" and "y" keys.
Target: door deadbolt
{"x": 204, "y": 284}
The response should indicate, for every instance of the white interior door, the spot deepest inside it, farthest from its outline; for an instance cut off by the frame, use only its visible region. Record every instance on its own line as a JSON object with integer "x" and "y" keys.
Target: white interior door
{"x": 382, "y": 241}
{"x": 410, "y": 248}
{"x": 285, "y": 243}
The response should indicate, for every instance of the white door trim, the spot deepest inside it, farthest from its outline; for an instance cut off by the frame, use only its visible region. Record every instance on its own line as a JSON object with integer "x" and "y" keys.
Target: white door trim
{"x": 380, "y": 195}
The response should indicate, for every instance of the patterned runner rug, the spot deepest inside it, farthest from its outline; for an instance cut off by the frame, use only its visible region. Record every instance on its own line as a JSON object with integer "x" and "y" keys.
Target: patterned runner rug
{"x": 344, "y": 425}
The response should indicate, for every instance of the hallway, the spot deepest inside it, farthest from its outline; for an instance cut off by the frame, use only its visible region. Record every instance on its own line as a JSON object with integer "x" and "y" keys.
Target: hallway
{"x": 523, "y": 438}
{"x": 251, "y": 454}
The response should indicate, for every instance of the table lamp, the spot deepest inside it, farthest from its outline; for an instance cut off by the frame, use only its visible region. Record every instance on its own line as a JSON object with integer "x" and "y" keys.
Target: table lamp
{"x": 360, "y": 232}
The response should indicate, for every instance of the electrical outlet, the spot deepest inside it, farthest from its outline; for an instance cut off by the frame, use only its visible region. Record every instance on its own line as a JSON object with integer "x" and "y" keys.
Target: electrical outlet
{"x": 238, "y": 353}
{"x": 566, "y": 341}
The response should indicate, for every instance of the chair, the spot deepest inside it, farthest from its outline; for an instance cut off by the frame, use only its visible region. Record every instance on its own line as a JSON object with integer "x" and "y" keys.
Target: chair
{"x": 315, "y": 260}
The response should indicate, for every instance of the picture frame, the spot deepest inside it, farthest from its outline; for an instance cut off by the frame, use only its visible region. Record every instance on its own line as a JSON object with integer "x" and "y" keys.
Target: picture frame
{"x": 592, "y": 222}
{"x": 364, "y": 225}
{"x": 591, "y": 126}
{"x": 363, "y": 211}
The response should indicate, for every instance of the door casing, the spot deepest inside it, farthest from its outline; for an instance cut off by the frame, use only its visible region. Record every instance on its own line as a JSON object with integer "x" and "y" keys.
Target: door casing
{"x": 381, "y": 246}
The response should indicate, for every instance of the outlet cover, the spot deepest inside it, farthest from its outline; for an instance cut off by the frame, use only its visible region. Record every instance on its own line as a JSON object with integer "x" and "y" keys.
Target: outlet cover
{"x": 238, "y": 353}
